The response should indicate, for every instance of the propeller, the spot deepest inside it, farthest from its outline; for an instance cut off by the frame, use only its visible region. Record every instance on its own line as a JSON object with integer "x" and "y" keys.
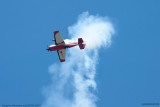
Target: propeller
{"x": 47, "y": 48}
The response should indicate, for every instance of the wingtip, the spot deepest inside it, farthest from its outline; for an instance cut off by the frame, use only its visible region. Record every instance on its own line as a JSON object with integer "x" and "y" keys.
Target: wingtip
{"x": 55, "y": 32}
{"x": 62, "y": 60}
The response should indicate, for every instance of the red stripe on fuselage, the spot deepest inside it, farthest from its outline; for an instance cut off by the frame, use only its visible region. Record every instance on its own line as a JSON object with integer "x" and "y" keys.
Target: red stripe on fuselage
{"x": 72, "y": 44}
{"x": 59, "y": 47}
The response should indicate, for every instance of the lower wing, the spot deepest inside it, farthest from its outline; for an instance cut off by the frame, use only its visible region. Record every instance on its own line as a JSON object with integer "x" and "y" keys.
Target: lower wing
{"x": 61, "y": 54}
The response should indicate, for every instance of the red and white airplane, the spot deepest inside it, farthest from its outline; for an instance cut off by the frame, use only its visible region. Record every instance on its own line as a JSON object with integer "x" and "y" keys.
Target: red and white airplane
{"x": 60, "y": 46}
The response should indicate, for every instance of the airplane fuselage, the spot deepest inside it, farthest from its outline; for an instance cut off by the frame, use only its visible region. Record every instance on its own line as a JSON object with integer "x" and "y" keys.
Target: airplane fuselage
{"x": 62, "y": 46}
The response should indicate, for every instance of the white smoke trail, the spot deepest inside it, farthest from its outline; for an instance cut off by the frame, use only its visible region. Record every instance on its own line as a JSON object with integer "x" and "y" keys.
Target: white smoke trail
{"x": 73, "y": 82}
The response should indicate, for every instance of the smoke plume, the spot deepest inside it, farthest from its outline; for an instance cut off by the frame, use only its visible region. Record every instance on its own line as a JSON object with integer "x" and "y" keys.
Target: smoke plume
{"x": 73, "y": 82}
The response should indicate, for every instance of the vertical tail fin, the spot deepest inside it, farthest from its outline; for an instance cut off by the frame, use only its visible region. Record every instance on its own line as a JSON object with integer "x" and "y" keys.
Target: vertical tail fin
{"x": 81, "y": 43}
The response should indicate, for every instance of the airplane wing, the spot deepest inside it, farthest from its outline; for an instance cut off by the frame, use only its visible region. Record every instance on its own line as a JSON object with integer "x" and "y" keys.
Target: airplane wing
{"x": 58, "y": 38}
{"x": 61, "y": 54}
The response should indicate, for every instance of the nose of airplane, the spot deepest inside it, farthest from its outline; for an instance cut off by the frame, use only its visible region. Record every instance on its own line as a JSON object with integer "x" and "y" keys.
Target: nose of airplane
{"x": 48, "y": 49}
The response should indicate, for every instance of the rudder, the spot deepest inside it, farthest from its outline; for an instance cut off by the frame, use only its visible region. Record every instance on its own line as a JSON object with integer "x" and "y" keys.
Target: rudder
{"x": 81, "y": 43}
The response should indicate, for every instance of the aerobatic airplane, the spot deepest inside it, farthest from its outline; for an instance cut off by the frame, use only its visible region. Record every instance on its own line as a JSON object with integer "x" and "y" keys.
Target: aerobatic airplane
{"x": 60, "y": 46}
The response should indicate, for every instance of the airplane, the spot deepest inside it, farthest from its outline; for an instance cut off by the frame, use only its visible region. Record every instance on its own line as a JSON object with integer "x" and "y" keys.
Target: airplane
{"x": 60, "y": 45}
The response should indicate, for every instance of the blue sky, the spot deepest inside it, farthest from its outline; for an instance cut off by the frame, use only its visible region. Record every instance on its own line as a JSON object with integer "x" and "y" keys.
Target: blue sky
{"x": 128, "y": 71}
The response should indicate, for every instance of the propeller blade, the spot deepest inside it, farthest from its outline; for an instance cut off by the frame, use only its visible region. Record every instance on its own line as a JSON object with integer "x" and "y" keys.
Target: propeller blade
{"x": 47, "y": 48}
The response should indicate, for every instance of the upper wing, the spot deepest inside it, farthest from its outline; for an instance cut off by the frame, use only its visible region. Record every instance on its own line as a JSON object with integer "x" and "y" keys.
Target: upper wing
{"x": 62, "y": 54}
{"x": 58, "y": 38}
